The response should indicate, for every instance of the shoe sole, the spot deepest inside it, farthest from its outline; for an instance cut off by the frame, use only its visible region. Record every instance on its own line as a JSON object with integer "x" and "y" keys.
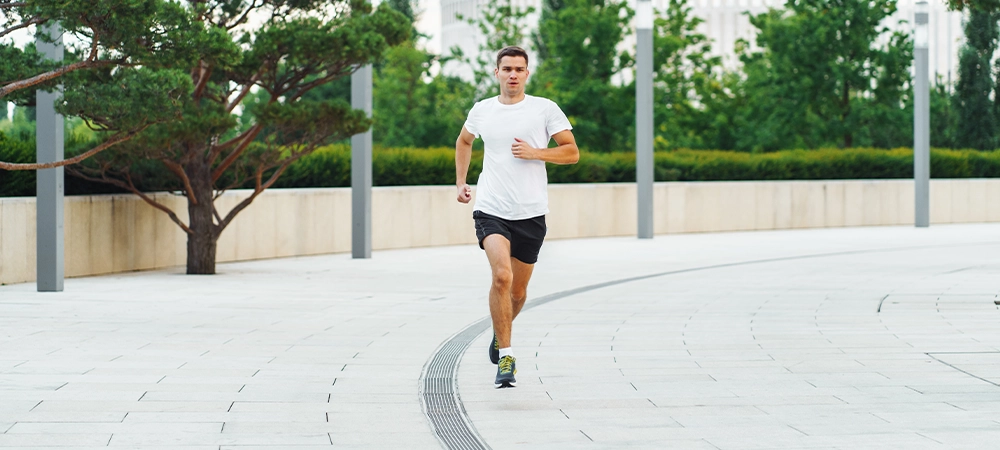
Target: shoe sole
{"x": 505, "y": 384}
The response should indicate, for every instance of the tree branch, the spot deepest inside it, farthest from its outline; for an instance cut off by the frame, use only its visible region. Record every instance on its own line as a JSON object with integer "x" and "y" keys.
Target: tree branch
{"x": 235, "y": 153}
{"x": 238, "y": 181}
{"x": 219, "y": 148}
{"x": 158, "y": 205}
{"x": 309, "y": 86}
{"x": 131, "y": 188}
{"x": 93, "y": 47}
{"x": 290, "y": 83}
{"x": 236, "y": 210}
{"x": 36, "y": 20}
{"x": 178, "y": 170}
{"x": 115, "y": 139}
{"x": 52, "y": 74}
{"x": 204, "y": 73}
{"x": 260, "y": 188}
{"x": 253, "y": 5}
{"x": 243, "y": 93}
{"x": 9, "y": 5}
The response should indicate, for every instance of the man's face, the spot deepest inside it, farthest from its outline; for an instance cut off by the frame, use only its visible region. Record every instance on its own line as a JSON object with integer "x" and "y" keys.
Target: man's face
{"x": 512, "y": 74}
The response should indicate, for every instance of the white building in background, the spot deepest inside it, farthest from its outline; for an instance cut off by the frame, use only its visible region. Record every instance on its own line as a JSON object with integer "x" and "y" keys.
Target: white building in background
{"x": 725, "y": 22}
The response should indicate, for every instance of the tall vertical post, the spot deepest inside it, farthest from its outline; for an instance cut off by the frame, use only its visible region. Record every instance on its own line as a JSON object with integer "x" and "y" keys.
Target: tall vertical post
{"x": 361, "y": 168}
{"x": 50, "y": 263}
{"x": 644, "y": 116}
{"x": 921, "y": 117}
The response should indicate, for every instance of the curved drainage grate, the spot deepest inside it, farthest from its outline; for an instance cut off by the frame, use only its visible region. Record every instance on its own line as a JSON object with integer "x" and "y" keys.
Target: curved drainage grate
{"x": 441, "y": 401}
{"x": 440, "y": 398}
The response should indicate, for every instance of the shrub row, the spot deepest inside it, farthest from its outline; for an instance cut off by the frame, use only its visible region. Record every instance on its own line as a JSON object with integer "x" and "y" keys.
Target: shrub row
{"x": 331, "y": 167}
{"x": 19, "y": 183}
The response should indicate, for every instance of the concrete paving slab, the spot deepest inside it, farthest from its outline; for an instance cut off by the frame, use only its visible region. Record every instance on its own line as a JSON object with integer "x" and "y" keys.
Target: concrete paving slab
{"x": 64, "y": 440}
{"x": 776, "y": 340}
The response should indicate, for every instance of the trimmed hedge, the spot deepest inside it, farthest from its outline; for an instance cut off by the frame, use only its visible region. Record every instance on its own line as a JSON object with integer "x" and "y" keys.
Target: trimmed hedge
{"x": 331, "y": 166}
{"x": 824, "y": 164}
{"x": 18, "y": 183}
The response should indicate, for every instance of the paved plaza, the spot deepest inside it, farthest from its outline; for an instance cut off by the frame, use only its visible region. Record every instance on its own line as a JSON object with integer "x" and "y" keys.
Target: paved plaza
{"x": 885, "y": 337}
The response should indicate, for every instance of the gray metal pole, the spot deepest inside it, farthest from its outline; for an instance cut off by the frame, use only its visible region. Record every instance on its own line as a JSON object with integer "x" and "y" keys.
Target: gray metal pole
{"x": 361, "y": 168}
{"x": 50, "y": 264}
{"x": 921, "y": 119}
{"x": 644, "y": 117}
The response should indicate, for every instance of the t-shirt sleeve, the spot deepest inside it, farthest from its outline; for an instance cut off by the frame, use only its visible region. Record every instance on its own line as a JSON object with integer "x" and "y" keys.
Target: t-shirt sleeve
{"x": 555, "y": 120}
{"x": 472, "y": 121}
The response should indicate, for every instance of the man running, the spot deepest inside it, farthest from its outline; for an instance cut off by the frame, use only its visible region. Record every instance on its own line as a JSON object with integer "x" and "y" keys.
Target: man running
{"x": 512, "y": 192}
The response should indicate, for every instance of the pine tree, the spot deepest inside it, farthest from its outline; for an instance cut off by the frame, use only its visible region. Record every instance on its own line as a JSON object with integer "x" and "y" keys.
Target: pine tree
{"x": 977, "y": 124}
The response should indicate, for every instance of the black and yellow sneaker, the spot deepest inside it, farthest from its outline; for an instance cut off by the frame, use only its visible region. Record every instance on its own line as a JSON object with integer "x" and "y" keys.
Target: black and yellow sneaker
{"x": 495, "y": 350}
{"x": 505, "y": 372}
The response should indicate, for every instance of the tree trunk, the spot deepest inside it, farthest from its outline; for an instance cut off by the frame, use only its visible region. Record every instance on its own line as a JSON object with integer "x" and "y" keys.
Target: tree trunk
{"x": 204, "y": 232}
{"x": 200, "y": 255}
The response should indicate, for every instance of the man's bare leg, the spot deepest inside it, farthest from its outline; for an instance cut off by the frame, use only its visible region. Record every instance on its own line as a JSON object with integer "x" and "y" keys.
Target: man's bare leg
{"x": 519, "y": 285}
{"x": 501, "y": 305}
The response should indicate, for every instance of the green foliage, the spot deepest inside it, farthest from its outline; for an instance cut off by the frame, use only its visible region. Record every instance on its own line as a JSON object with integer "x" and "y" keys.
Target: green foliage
{"x": 17, "y": 145}
{"x": 405, "y": 7}
{"x": 201, "y": 145}
{"x": 19, "y": 64}
{"x": 275, "y": 71}
{"x": 944, "y": 117}
{"x": 117, "y": 71}
{"x": 18, "y": 183}
{"x": 577, "y": 42}
{"x": 687, "y": 81}
{"x": 977, "y": 121}
{"x": 983, "y": 5}
{"x": 789, "y": 164}
{"x": 502, "y": 24}
{"x": 412, "y": 109}
{"x": 821, "y": 79}
{"x": 331, "y": 166}
{"x": 121, "y": 34}
{"x": 128, "y": 100}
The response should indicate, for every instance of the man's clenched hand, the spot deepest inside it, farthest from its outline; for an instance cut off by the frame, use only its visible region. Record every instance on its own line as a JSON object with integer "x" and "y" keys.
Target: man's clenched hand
{"x": 464, "y": 193}
{"x": 522, "y": 150}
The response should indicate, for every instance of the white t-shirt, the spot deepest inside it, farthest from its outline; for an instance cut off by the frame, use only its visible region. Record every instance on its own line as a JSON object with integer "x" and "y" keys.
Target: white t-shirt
{"x": 511, "y": 188}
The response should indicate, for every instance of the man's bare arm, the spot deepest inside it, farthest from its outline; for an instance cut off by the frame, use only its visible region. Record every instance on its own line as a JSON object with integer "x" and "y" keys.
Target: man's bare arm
{"x": 463, "y": 156}
{"x": 565, "y": 153}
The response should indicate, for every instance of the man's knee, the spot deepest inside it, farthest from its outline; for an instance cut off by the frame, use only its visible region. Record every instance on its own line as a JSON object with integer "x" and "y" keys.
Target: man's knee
{"x": 519, "y": 295}
{"x": 502, "y": 278}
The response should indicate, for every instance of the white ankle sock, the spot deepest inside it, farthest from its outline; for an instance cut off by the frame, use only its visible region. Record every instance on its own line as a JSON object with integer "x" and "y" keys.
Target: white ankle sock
{"x": 506, "y": 352}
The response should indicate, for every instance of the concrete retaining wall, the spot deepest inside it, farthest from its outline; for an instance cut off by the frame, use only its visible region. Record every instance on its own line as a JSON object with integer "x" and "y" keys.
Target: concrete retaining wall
{"x": 117, "y": 233}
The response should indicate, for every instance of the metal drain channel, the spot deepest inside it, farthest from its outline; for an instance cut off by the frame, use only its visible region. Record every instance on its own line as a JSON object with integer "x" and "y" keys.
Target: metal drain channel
{"x": 440, "y": 398}
{"x": 441, "y": 402}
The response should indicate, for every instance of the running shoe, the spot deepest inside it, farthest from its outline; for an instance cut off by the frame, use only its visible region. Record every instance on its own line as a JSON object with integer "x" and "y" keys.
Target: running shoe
{"x": 495, "y": 350}
{"x": 505, "y": 372}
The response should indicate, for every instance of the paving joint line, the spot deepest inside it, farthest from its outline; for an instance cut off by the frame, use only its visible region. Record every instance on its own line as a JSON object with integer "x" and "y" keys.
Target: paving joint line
{"x": 958, "y": 369}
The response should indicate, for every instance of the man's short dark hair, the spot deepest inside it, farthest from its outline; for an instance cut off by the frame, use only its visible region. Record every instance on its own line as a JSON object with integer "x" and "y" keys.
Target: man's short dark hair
{"x": 512, "y": 50}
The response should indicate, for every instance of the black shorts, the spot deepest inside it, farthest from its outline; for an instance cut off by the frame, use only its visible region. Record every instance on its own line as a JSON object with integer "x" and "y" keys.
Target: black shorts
{"x": 525, "y": 236}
